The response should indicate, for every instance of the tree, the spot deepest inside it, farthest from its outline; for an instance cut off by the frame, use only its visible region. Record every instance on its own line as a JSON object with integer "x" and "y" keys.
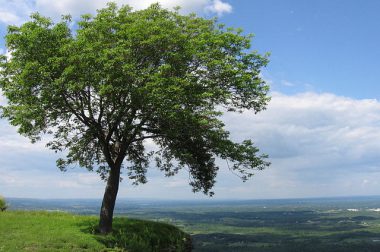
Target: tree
{"x": 125, "y": 76}
{"x": 3, "y": 204}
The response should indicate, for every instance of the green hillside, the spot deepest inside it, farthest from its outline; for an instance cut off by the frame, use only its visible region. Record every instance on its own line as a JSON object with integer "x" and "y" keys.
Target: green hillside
{"x": 57, "y": 231}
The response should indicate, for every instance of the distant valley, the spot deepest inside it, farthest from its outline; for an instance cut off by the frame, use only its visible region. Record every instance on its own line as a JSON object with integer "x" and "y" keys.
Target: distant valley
{"x": 318, "y": 224}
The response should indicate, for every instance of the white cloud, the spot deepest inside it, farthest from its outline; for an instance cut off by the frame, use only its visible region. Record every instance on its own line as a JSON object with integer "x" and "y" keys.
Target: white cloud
{"x": 63, "y": 7}
{"x": 314, "y": 141}
{"x": 287, "y": 83}
{"x": 76, "y": 7}
{"x": 219, "y": 7}
{"x": 319, "y": 145}
{"x": 17, "y": 11}
{"x": 187, "y": 6}
{"x": 8, "y": 18}
{"x": 80, "y": 180}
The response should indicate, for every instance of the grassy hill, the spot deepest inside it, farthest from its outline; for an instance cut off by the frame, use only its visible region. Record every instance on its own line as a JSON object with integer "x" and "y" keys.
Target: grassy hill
{"x": 57, "y": 231}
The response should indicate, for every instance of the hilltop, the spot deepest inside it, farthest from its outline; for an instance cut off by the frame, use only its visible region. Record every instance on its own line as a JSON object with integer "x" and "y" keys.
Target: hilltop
{"x": 60, "y": 231}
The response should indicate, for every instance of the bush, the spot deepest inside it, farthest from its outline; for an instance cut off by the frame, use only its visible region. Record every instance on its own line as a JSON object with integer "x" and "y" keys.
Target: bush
{"x": 3, "y": 205}
{"x": 141, "y": 235}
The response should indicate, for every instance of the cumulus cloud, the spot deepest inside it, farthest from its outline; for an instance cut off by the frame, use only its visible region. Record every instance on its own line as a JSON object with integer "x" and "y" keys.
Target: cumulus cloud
{"x": 8, "y": 18}
{"x": 73, "y": 7}
{"x": 218, "y": 7}
{"x": 314, "y": 141}
{"x": 319, "y": 145}
{"x": 17, "y": 11}
{"x": 305, "y": 122}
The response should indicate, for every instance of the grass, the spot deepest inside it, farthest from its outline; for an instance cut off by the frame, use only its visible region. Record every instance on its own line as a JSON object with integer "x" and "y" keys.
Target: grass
{"x": 58, "y": 231}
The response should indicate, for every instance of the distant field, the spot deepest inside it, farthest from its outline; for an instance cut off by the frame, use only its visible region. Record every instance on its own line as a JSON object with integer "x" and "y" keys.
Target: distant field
{"x": 280, "y": 230}
{"x": 341, "y": 224}
{"x": 55, "y": 231}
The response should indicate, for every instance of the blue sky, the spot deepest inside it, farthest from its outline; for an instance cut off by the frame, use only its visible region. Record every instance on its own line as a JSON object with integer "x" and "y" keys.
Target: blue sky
{"x": 321, "y": 129}
{"x": 331, "y": 45}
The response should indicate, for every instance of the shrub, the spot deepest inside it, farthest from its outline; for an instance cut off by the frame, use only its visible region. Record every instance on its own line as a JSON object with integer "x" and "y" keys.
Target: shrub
{"x": 3, "y": 205}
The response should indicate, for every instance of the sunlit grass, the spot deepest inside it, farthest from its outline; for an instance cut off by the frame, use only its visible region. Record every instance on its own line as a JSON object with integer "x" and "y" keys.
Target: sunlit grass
{"x": 57, "y": 231}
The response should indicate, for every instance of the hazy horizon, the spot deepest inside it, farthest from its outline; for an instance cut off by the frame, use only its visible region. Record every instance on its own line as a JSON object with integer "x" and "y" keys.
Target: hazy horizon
{"x": 209, "y": 199}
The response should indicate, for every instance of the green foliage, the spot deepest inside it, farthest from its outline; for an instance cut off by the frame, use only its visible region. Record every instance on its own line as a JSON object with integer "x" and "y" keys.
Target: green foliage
{"x": 44, "y": 231}
{"x": 126, "y": 76}
{"x": 138, "y": 235}
{"x": 3, "y": 204}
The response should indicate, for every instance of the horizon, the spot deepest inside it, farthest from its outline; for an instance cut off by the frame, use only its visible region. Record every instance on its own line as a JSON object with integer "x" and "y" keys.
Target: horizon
{"x": 210, "y": 200}
{"x": 321, "y": 128}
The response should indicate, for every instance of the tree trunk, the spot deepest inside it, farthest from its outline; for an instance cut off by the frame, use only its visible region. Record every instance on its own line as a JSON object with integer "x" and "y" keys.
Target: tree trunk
{"x": 109, "y": 199}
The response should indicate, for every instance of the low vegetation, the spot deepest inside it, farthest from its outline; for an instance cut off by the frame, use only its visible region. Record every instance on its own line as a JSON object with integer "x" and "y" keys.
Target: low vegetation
{"x": 58, "y": 231}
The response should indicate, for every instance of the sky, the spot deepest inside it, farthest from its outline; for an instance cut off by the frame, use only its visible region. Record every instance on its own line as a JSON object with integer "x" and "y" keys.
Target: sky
{"x": 321, "y": 129}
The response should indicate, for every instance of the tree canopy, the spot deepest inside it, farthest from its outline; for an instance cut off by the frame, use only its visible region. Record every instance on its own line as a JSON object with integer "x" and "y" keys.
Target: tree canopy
{"x": 122, "y": 77}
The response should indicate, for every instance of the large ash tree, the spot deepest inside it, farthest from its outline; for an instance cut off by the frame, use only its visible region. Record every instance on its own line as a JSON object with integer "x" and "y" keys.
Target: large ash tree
{"x": 125, "y": 76}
